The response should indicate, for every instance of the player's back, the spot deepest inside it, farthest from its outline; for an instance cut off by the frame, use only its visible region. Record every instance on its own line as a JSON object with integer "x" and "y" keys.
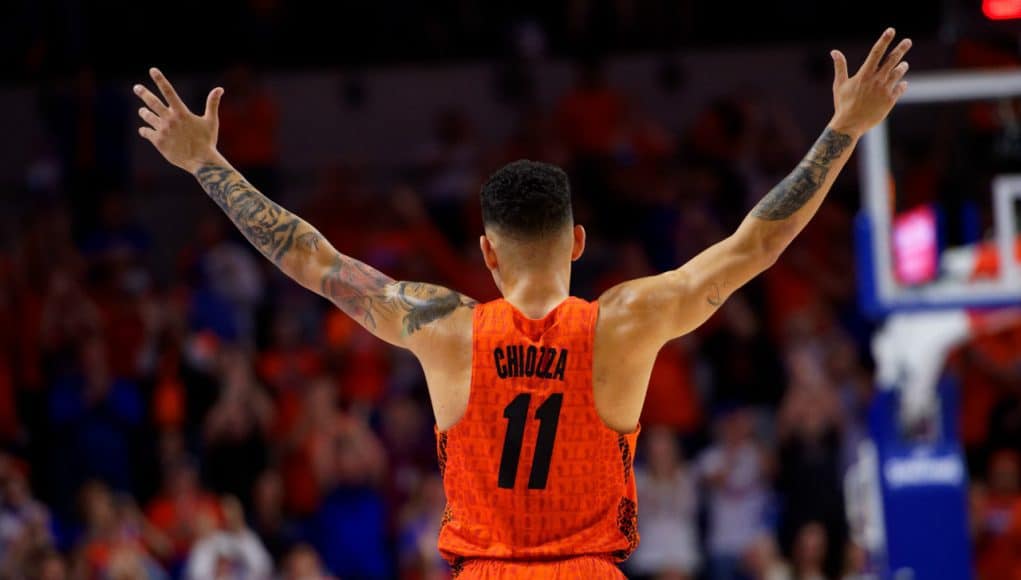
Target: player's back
{"x": 530, "y": 470}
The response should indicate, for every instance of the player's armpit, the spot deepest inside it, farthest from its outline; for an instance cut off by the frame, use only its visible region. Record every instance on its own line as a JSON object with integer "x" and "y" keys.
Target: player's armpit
{"x": 669, "y": 305}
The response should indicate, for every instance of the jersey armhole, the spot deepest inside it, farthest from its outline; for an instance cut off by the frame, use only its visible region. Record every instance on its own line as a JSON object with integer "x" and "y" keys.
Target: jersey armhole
{"x": 476, "y": 313}
{"x": 632, "y": 435}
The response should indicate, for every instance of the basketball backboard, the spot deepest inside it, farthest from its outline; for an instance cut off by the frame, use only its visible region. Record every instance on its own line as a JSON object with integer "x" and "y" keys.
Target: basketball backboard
{"x": 895, "y": 247}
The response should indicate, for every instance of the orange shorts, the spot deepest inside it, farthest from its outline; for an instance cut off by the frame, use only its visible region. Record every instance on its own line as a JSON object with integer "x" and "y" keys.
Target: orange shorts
{"x": 587, "y": 567}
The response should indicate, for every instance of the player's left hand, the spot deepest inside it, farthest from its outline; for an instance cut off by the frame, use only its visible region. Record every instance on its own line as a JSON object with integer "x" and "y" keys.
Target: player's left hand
{"x": 861, "y": 101}
{"x": 182, "y": 137}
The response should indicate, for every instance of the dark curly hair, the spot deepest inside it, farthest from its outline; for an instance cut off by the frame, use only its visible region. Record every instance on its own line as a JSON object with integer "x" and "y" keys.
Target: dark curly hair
{"x": 527, "y": 199}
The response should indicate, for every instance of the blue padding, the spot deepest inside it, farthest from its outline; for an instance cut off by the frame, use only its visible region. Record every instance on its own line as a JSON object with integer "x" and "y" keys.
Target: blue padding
{"x": 924, "y": 492}
{"x": 868, "y": 299}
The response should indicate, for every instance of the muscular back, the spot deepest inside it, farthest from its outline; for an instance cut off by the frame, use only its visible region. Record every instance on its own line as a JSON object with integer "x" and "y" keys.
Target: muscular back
{"x": 624, "y": 353}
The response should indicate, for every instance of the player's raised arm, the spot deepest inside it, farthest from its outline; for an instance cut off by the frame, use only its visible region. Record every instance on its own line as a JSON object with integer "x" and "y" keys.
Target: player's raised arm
{"x": 676, "y": 302}
{"x": 400, "y": 313}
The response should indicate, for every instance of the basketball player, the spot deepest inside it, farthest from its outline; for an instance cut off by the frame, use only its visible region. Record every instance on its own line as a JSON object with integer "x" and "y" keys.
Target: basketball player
{"x": 537, "y": 395}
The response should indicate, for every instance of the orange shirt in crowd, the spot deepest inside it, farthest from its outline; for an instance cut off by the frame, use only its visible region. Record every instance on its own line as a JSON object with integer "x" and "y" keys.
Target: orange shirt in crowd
{"x": 590, "y": 119}
{"x": 980, "y": 392}
{"x": 248, "y": 130}
{"x": 672, "y": 400}
{"x": 177, "y": 517}
{"x": 998, "y": 550}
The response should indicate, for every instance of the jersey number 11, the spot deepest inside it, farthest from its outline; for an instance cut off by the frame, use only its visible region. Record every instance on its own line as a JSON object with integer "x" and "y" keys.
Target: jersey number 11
{"x": 516, "y": 413}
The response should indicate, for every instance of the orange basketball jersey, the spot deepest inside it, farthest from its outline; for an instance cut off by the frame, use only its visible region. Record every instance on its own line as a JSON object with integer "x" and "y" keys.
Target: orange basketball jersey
{"x": 530, "y": 471}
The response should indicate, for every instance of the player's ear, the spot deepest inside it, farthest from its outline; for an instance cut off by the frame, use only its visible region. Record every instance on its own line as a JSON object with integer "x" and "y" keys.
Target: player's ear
{"x": 488, "y": 254}
{"x": 579, "y": 243}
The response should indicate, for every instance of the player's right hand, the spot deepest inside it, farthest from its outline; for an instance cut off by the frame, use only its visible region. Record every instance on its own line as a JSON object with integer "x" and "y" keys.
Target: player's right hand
{"x": 182, "y": 137}
{"x": 860, "y": 102}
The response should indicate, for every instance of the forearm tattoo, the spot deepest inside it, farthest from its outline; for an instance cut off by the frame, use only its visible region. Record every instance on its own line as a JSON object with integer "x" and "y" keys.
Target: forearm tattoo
{"x": 804, "y": 182}
{"x": 361, "y": 291}
{"x": 269, "y": 227}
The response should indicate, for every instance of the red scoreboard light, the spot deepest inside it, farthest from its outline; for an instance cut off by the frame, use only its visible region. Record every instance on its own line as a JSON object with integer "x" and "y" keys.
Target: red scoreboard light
{"x": 1002, "y": 9}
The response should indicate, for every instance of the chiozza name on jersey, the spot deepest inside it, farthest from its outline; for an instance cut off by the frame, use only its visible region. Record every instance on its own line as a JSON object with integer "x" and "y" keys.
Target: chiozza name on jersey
{"x": 517, "y": 360}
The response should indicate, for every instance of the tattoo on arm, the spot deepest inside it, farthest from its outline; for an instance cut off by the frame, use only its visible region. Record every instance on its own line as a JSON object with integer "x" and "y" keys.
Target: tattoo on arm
{"x": 424, "y": 303}
{"x": 367, "y": 295}
{"x": 269, "y": 227}
{"x": 358, "y": 289}
{"x": 308, "y": 241}
{"x": 714, "y": 296}
{"x": 804, "y": 182}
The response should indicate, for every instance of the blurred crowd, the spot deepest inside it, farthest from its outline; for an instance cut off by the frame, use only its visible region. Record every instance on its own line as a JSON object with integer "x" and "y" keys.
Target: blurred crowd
{"x": 203, "y": 417}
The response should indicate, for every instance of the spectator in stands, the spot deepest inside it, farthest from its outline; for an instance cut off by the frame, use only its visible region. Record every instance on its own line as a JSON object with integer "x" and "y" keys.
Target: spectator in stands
{"x": 810, "y": 465}
{"x": 667, "y": 492}
{"x": 406, "y": 432}
{"x": 854, "y": 388}
{"x": 290, "y": 362}
{"x": 419, "y": 528}
{"x": 745, "y": 364}
{"x": 997, "y": 361}
{"x": 534, "y": 137}
{"x": 349, "y": 528}
{"x": 810, "y": 548}
{"x": 179, "y": 508}
{"x": 269, "y": 518}
{"x": 116, "y": 236}
{"x": 45, "y": 564}
{"x": 735, "y": 470}
{"x": 589, "y": 119}
{"x": 762, "y": 560}
{"x": 856, "y": 562}
{"x": 119, "y": 283}
{"x": 672, "y": 400}
{"x": 248, "y": 127}
{"x": 25, "y": 526}
{"x": 449, "y": 167}
{"x": 589, "y": 116}
{"x": 236, "y": 428}
{"x": 231, "y": 285}
{"x": 995, "y": 505}
{"x": 114, "y": 544}
{"x": 303, "y": 563}
{"x": 303, "y": 436}
{"x": 96, "y": 417}
{"x": 980, "y": 364}
{"x": 88, "y": 121}
{"x": 68, "y": 316}
{"x": 232, "y": 552}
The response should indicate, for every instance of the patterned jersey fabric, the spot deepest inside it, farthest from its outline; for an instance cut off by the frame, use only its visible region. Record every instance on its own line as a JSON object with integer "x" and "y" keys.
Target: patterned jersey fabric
{"x": 530, "y": 471}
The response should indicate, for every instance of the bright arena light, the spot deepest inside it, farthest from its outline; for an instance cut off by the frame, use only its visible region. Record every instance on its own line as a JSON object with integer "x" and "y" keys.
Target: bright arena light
{"x": 1001, "y": 9}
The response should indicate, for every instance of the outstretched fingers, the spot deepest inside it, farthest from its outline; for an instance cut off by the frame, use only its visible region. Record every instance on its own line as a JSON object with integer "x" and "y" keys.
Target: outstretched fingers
{"x": 152, "y": 101}
{"x": 167, "y": 90}
{"x": 150, "y": 117}
{"x": 213, "y": 103}
{"x": 893, "y": 60}
{"x": 878, "y": 50}
{"x": 897, "y": 73}
{"x": 839, "y": 67}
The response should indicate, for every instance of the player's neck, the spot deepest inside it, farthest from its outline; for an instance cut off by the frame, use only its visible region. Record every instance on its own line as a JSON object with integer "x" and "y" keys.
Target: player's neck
{"x": 536, "y": 294}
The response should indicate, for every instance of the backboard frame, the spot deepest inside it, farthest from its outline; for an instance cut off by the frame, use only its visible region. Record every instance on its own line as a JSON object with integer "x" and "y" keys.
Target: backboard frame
{"x": 879, "y": 291}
